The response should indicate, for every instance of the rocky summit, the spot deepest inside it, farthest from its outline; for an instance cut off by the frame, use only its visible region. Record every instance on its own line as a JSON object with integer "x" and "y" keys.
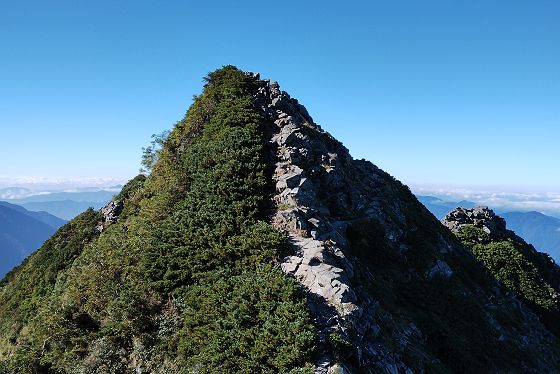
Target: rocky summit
{"x": 257, "y": 244}
{"x": 480, "y": 217}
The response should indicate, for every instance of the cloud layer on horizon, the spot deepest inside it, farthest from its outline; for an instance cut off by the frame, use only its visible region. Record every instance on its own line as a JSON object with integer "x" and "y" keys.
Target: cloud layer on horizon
{"x": 544, "y": 202}
{"x": 52, "y": 184}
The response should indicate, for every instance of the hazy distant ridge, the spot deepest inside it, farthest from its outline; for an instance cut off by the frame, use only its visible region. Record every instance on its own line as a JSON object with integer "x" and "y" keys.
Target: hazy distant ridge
{"x": 21, "y": 233}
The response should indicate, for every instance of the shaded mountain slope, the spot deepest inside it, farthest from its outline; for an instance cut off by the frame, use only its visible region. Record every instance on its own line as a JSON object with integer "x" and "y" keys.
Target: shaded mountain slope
{"x": 532, "y": 275}
{"x": 257, "y": 244}
{"x": 384, "y": 266}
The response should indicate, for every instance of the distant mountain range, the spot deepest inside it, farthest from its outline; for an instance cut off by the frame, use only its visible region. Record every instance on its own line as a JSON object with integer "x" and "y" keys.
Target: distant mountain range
{"x": 14, "y": 193}
{"x": 66, "y": 209}
{"x": 440, "y": 208}
{"x": 540, "y": 230}
{"x": 39, "y": 215}
{"x": 81, "y": 196}
{"x": 65, "y": 205}
{"x": 22, "y": 232}
{"x": 28, "y": 218}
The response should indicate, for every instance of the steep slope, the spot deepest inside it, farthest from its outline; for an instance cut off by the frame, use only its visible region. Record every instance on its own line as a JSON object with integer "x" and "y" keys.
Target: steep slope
{"x": 25, "y": 289}
{"x": 536, "y": 228}
{"x": 22, "y": 232}
{"x": 533, "y": 276}
{"x": 257, "y": 244}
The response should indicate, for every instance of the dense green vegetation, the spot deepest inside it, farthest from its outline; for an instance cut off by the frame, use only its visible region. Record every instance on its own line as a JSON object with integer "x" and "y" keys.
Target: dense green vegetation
{"x": 520, "y": 269}
{"x": 185, "y": 281}
{"x": 25, "y": 288}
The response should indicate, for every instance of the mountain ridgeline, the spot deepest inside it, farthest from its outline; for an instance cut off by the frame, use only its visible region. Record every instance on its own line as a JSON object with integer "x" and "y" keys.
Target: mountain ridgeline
{"x": 540, "y": 230}
{"x": 257, "y": 244}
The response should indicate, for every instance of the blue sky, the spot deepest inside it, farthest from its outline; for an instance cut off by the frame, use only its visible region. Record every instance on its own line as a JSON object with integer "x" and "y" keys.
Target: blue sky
{"x": 438, "y": 93}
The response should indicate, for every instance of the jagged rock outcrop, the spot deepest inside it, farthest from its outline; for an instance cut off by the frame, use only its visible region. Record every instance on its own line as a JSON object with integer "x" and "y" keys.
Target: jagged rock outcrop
{"x": 110, "y": 214}
{"x": 440, "y": 269}
{"x": 481, "y": 217}
{"x": 307, "y": 159}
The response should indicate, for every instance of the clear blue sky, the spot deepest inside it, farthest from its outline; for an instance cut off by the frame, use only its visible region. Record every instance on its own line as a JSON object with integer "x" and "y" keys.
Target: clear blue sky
{"x": 435, "y": 92}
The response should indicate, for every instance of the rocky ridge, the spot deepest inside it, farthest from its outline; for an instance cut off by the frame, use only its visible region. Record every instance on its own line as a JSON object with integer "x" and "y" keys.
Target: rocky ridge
{"x": 307, "y": 158}
{"x": 321, "y": 192}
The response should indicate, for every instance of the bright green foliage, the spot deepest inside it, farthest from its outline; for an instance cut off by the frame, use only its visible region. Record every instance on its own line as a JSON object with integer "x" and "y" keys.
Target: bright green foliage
{"x": 131, "y": 194}
{"x": 471, "y": 235}
{"x": 246, "y": 315}
{"x": 512, "y": 269}
{"x": 185, "y": 281}
{"x": 520, "y": 269}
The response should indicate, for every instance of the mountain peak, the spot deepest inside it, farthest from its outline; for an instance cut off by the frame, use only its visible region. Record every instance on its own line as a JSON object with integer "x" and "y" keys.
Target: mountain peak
{"x": 258, "y": 244}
